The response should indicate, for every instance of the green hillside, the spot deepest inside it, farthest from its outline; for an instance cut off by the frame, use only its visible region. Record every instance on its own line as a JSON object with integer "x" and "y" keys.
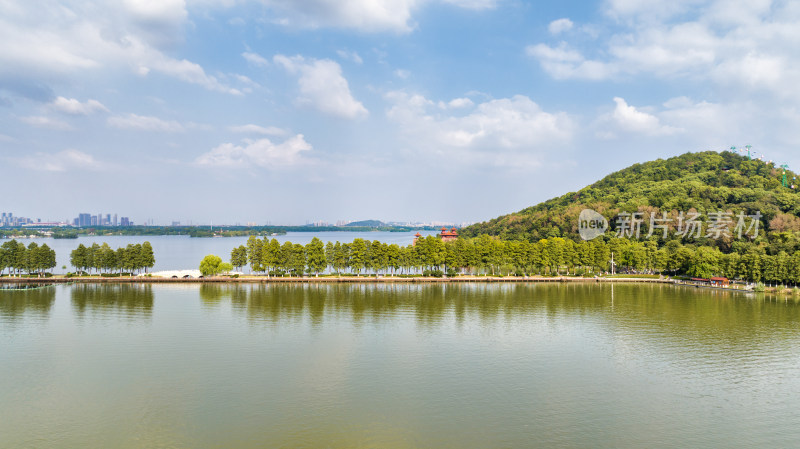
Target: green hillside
{"x": 706, "y": 182}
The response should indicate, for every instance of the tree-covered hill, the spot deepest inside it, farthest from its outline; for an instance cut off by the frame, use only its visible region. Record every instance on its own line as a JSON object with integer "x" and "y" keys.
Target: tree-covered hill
{"x": 705, "y": 182}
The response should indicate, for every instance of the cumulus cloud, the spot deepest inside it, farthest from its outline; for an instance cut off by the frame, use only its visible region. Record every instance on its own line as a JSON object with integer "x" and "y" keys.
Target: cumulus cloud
{"x": 144, "y": 123}
{"x": 61, "y": 161}
{"x": 563, "y": 62}
{"x": 159, "y": 20}
{"x": 322, "y": 86}
{"x": 260, "y": 153}
{"x": 256, "y": 129}
{"x": 363, "y": 15}
{"x": 506, "y": 131}
{"x": 41, "y": 121}
{"x": 559, "y": 26}
{"x": 75, "y": 107}
{"x": 630, "y": 119}
{"x": 255, "y": 59}
{"x": 43, "y": 43}
{"x": 458, "y": 103}
{"x": 750, "y": 45}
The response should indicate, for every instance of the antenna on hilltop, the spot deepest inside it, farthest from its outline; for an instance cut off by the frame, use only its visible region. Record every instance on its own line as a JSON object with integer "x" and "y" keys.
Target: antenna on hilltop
{"x": 784, "y": 180}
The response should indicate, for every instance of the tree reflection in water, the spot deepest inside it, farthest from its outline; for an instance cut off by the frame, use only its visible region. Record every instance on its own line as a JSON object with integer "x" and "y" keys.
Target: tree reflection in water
{"x": 127, "y": 300}
{"x": 17, "y": 303}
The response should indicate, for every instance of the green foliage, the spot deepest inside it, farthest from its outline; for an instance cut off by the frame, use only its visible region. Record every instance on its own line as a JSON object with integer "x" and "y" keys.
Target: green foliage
{"x": 315, "y": 255}
{"x": 239, "y": 256}
{"x": 706, "y": 181}
{"x": 210, "y": 265}
{"x": 132, "y": 258}
{"x": 487, "y": 255}
{"x": 33, "y": 259}
{"x": 225, "y": 267}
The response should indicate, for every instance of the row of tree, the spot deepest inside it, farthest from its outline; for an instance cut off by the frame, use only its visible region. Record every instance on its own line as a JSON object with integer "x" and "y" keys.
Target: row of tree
{"x": 488, "y": 255}
{"x": 102, "y": 258}
{"x": 33, "y": 259}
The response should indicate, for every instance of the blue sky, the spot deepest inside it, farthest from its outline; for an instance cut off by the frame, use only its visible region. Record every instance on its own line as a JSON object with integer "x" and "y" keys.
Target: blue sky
{"x": 287, "y": 111}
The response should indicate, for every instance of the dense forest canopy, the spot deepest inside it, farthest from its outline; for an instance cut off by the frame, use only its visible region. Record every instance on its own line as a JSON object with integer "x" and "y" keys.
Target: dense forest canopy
{"x": 705, "y": 182}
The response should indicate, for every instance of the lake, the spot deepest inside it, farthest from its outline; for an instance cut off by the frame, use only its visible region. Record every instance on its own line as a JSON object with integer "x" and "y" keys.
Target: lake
{"x": 181, "y": 252}
{"x": 397, "y": 366}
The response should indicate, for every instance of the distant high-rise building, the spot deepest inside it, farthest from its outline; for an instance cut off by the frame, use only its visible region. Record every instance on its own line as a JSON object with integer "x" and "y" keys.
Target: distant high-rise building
{"x": 115, "y": 219}
{"x": 84, "y": 220}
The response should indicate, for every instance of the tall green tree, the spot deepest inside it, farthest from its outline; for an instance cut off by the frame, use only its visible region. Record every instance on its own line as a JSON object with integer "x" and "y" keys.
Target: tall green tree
{"x": 239, "y": 257}
{"x": 315, "y": 255}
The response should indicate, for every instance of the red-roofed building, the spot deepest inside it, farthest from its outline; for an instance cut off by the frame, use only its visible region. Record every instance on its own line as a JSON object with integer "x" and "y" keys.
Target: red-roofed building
{"x": 416, "y": 237}
{"x": 447, "y": 236}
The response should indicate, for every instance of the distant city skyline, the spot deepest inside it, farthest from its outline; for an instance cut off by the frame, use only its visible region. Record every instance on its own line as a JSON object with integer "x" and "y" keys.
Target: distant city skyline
{"x": 109, "y": 219}
{"x": 405, "y": 110}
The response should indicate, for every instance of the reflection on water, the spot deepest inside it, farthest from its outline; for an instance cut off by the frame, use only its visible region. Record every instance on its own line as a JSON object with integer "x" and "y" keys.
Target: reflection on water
{"x": 678, "y": 312}
{"x": 129, "y": 300}
{"x": 16, "y": 303}
{"x": 398, "y": 365}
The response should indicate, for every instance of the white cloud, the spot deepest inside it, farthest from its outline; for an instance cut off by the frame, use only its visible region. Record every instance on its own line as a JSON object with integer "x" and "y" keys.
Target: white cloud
{"x": 749, "y": 46}
{"x": 255, "y": 59}
{"x": 509, "y": 131}
{"x": 46, "y": 122}
{"x": 563, "y": 62}
{"x": 260, "y": 153}
{"x": 350, "y": 56}
{"x": 61, "y": 161}
{"x": 256, "y": 129}
{"x": 402, "y": 74}
{"x": 170, "y": 11}
{"x": 75, "y": 107}
{"x": 322, "y": 86}
{"x": 459, "y": 103}
{"x": 474, "y": 4}
{"x": 147, "y": 58}
{"x": 46, "y": 42}
{"x": 160, "y": 21}
{"x": 559, "y": 26}
{"x": 630, "y": 119}
{"x": 363, "y": 15}
{"x": 144, "y": 123}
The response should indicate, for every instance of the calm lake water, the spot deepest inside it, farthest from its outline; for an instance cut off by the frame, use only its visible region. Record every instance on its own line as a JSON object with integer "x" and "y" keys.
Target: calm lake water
{"x": 397, "y": 366}
{"x": 180, "y": 252}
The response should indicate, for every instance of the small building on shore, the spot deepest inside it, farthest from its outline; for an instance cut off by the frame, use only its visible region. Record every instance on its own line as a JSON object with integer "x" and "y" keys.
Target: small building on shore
{"x": 447, "y": 236}
{"x": 719, "y": 281}
{"x": 416, "y": 237}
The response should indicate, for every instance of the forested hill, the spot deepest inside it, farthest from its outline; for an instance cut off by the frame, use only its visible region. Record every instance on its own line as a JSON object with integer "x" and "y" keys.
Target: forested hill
{"x": 707, "y": 182}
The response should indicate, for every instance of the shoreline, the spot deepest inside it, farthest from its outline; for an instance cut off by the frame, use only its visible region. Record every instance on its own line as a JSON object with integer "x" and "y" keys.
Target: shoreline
{"x": 320, "y": 280}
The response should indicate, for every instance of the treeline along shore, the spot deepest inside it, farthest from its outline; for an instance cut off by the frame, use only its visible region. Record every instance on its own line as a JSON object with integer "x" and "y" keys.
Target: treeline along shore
{"x": 322, "y": 280}
{"x": 481, "y": 258}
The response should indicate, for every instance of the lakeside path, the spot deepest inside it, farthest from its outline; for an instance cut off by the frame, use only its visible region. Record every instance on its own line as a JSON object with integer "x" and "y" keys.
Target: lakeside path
{"x": 315, "y": 280}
